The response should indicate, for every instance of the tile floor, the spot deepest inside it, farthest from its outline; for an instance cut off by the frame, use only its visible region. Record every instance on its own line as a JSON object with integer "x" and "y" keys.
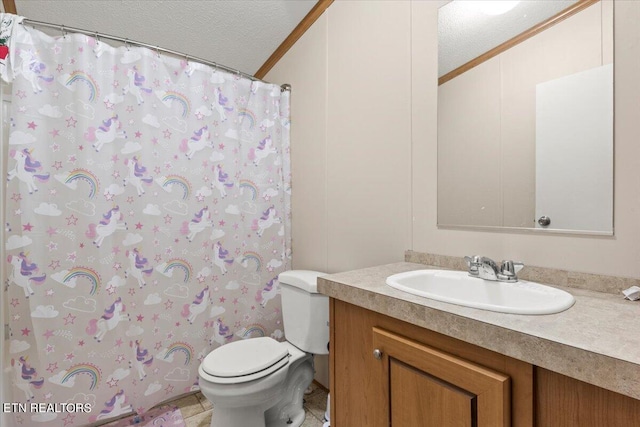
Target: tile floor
{"x": 196, "y": 409}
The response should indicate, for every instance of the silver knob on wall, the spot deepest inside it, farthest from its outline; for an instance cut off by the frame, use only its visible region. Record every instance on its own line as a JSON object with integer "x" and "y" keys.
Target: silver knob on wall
{"x": 544, "y": 220}
{"x": 377, "y": 354}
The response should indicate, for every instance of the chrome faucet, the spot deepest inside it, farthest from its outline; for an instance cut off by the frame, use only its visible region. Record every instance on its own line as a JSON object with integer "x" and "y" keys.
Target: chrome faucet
{"x": 487, "y": 269}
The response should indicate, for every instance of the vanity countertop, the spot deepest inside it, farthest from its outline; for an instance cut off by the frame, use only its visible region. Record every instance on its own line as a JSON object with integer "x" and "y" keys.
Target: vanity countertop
{"x": 596, "y": 341}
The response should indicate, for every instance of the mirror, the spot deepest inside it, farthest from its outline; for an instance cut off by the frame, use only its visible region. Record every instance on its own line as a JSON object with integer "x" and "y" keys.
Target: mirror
{"x": 525, "y": 116}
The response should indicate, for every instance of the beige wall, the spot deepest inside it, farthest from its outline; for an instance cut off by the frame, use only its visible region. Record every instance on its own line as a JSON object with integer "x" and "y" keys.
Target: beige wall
{"x": 495, "y": 142}
{"x": 305, "y": 69}
{"x": 351, "y": 136}
{"x": 351, "y": 139}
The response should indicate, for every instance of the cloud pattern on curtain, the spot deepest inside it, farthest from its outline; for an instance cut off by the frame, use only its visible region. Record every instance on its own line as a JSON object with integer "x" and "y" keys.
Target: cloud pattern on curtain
{"x": 148, "y": 218}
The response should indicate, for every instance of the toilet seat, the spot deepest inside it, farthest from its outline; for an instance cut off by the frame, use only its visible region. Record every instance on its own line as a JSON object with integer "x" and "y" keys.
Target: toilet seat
{"x": 243, "y": 361}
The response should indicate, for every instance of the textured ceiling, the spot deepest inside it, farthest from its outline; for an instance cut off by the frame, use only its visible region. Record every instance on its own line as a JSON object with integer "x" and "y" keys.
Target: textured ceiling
{"x": 464, "y": 32}
{"x": 240, "y": 34}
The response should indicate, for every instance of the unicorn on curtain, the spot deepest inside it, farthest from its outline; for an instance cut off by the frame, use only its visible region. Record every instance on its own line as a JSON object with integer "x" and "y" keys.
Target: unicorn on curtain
{"x": 26, "y": 169}
{"x": 134, "y": 87}
{"x": 199, "y": 305}
{"x": 141, "y": 359}
{"x": 201, "y": 220}
{"x": 221, "y": 257}
{"x": 32, "y": 70}
{"x": 198, "y": 141}
{"x": 109, "y": 224}
{"x": 138, "y": 267}
{"x": 221, "y": 333}
{"x": 114, "y": 407}
{"x": 26, "y": 377}
{"x": 221, "y": 181}
{"x": 109, "y": 320}
{"x": 267, "y": 219}
{"x": 262, "y": 151}
{"x": 220, "y": 104}
{"x": 23, "y": 273}
{"x": 137, "y": 175}
{"x": 105, "y": 134}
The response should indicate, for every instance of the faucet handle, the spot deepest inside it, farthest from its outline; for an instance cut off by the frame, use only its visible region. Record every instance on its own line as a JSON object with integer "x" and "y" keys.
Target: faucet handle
{"x": 473, "y": 262}
{"x": 509, "y": 270}
{"x": 518, "y": 266}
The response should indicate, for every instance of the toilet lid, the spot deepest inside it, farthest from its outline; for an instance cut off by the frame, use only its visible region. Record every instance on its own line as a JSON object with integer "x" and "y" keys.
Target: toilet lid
{"x": 247, "y": 357}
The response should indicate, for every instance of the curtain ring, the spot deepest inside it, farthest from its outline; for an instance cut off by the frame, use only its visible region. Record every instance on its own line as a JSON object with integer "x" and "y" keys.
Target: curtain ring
{"x": 186, "y": 58}
{"x": 97, "y": 39}
{"x": 64, "y": 33}
{"x": 126, "y": 43}
{"x": 158, "y": 51}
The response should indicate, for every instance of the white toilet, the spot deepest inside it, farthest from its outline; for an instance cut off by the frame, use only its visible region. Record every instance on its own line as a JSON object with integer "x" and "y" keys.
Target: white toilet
{"x": 260, "y": 382}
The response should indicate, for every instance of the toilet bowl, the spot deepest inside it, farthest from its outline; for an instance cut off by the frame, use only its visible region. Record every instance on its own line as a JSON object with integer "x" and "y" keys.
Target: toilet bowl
{"x": 267, "y": 391}
{"x": 260, "y": 382}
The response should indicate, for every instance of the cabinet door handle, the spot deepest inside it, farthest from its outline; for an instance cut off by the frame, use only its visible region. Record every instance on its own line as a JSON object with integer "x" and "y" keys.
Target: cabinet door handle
{"x": 377, "y": 354}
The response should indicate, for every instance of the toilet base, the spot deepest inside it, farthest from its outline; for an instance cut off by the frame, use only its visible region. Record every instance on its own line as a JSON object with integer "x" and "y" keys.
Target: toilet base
{"x": 289, "y": 412}
{"x": 285, "y": 411}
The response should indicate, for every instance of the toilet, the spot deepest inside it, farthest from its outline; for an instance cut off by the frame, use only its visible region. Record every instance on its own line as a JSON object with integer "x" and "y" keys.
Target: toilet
{"x": 260, "y": 382}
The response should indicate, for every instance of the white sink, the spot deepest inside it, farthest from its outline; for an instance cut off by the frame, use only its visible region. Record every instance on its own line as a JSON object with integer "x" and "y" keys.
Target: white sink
{"x": 457, "y": 287}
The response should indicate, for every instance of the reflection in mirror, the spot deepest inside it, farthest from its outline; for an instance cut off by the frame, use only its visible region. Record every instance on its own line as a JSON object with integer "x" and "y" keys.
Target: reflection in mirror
{"x": 525, "y": 115}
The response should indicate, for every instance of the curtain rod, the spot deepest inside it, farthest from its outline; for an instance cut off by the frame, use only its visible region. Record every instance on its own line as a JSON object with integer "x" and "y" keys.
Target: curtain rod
{"x": 98, "y": 36}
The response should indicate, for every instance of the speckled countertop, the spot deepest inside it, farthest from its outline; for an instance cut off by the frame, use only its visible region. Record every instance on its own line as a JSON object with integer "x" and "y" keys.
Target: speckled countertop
{"x": 596, "y": 341}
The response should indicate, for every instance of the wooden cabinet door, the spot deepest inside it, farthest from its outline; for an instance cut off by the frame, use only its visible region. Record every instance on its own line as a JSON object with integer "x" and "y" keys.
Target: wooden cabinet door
{"x": 419, "y": 399}
{"x": 425, "y": 387}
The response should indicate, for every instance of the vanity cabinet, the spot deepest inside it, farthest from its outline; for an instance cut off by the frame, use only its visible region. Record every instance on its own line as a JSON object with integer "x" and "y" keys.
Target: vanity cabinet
{"x": 427, "y": 387}
{"x": 421, "y": 378}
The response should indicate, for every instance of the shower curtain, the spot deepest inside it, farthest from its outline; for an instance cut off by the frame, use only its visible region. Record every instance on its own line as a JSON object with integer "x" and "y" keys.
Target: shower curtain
{"x": 147, "y": 215}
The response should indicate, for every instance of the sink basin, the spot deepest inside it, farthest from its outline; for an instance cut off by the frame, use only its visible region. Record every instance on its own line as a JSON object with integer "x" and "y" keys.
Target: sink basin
{"x": 457, "y": 287}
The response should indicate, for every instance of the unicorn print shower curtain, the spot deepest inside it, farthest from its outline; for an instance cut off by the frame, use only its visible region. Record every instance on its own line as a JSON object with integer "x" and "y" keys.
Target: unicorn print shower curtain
{"x": 148, "y": 218}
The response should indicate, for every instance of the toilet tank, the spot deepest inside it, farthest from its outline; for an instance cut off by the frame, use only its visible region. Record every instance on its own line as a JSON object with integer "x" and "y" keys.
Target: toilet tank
{"x": 305, "y": 312}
